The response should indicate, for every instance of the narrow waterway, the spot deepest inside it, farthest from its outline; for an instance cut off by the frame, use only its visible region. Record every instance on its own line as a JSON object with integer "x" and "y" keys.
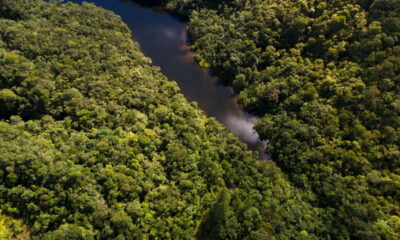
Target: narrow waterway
{"x": 162, "y": 37}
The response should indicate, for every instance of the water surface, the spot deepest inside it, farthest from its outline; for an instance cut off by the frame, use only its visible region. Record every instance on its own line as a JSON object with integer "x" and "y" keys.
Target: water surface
{"x": 162, "y": 37}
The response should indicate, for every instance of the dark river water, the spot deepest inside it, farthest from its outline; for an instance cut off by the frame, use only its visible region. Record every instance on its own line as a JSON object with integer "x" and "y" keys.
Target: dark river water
{"x": 162, "y": 37}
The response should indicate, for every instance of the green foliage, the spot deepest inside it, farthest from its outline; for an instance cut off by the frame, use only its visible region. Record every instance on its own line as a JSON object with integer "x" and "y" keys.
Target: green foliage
{"x": 12, "y": 229}
{"x": 96, "y": 143}
{"x": 324, "y": 78}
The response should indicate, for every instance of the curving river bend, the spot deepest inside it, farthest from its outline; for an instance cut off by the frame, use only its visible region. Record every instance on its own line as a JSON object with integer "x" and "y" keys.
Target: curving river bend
{"x": 162, "y": 37}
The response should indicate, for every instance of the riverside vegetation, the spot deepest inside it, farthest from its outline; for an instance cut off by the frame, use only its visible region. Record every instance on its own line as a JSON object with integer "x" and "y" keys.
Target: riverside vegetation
{"x": 96, "y": 143}
{"x": 324, "y": 78}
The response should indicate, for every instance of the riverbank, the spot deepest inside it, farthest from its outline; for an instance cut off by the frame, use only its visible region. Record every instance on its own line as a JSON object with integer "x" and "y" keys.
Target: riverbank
{"x": 163, "y": 38}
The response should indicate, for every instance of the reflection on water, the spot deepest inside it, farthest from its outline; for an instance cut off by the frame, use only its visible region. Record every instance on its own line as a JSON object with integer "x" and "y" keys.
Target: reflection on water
{"x": 242, "y": 125}
{"x": 163, "y": 38}
{"x": 169, "y": 32}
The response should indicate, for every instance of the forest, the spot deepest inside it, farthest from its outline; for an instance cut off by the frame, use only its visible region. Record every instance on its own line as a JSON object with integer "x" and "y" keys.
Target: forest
{"x": 324, "y": 78}
{"x": 96, "y": 143}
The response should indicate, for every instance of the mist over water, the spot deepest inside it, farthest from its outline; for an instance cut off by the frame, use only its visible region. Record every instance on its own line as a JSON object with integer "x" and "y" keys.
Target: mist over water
{"x": 163, "y": 38}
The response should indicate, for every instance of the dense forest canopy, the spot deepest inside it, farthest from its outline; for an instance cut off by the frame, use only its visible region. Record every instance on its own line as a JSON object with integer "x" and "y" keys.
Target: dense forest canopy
{"x": 324, "y": 78}
{"x": 96, "y": 143}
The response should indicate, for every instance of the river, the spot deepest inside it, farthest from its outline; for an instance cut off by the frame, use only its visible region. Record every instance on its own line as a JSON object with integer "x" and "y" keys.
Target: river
{"x": 162, "y": 37}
